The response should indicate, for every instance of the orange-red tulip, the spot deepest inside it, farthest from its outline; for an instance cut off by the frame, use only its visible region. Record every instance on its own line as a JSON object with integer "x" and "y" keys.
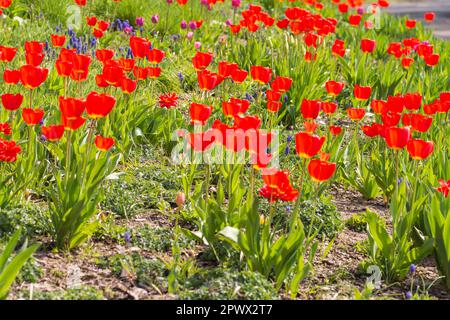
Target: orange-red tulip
{"x": 397, "y": 138}
{"x": 53, "y": 133}
{"x": 419, "y": 149}
{"x": 261, "y": 74}
{"x": 32, "y": 77}
{"x": 103, "y": 144}
{"x": 32, "y": 116}
{"x": 356, "y": 114}
{"x": 99, "y": 105}
{"x": 310, "y": 108}
{"x": 308, "y": 145}
{"x": 320, "y": 170}
{"x": 11, "y": 76}
{"x": 12, "y": 101}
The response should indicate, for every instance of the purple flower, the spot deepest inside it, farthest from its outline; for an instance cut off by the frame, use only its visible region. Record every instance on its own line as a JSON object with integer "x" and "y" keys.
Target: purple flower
{"x": 287, "y": 150}
{"x": 408, "y": 295}
{"x": 236, "y": 3}
{"x": 140, "y": 21}
{"x": 412, "y": 268}
{"x": 183, "y": 24}
{"x": 128, "y": 30}
{"x": 192, "y": 25}
{"x": 127, "y": 237}
{"x": 155, "y": 19}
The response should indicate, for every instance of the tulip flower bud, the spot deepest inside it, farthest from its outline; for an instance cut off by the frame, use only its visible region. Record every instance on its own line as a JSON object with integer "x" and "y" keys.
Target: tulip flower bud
{"x": 180, "y": 199}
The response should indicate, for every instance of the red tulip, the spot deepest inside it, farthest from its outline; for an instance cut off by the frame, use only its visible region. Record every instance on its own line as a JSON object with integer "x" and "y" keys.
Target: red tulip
{"x": 4, "y": 4}
{"x": 113, "y": 75}
{"x": 53, "y": 133}
{"x": 420, "y": 122}
{"x": 226, "y": 69}
{"x": 390, "y": 119}
{"x": 126, "y": 64}
{"x": 100, "y": 81}
{"x": 308, "y": 145}
{"x": 261, "y": 74}
{"x": 320, "y": 170}
{"x": 11, "y": 101}
{"x": 34, "y": 59}
{"x": 199, "y": 113}
{"x": 397, "y": 138}
{"x": 32, "y": 77}
{"x": 354, "y": 19}
{"x": 329, "y": 107}
{"x": 277, "y": 186}
{"x": 239, "y": 76}
{"x": 406, "y": 62}
{"x": 103, "y": 25}
{"x": 367, "y": 45}
{"x": 429, "y": 16}
{"x": 139, "y": 47}
{"x": 80, "y": 67}
{"x": 356, "y": 114}
{"x": 419, "y": 149}
{"x": 395, "y": 104}
{"x": 208, "y": 80}
{"x": 373, "y": 130}
{"x": 7, "y": 54}
{"x": 91, "y": 21}
{"x": 201, "y": 141}
{"x": 334, "y": 88}
{"x": 99, "y": 105}
{"x": 247, "y": 122}
{"x": 444, "y": 187}
{"x": 58, "y": 40}
{"x": 128, "y": 86}
{"x": 64, "y": 68}
{"x": 153, "y": 72}
{"x": 103, "y": 144}
{"x": 378, "y": 106}
{"x": 81, "y": 3}
{"x": 281, "y": 84}
{"x": 71, "y": 108}
{"x": 72, "y": 124}
{"x": 335, "y": 130}
{"x": 273, "y": 106}
{"x": 412, "y": 101}
{"x": 32, "y": 116}
{"x": 362, "y": 92}
{"x": 34, "y": 47}
{"x": 235, "y": 106}
{"x": 155, "y": 56}
{"x": 104, "y": 55}
{"x": 273, "y": 95}
{"x": 410, "y": 24}
{"x": 202, "y": 60}
{"x": 310, "y": 108}
{"x": 432, "y": 59}
{"x": 141, "y": 73}
{"x": 338, "y": 48}
{"x": 11, "y": 76}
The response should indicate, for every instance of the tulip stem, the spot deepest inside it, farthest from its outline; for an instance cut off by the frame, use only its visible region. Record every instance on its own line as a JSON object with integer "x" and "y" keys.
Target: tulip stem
{"x": 68, "y": 155}
{"x": 88, "y": 147}
{"x": 396, "y": 174}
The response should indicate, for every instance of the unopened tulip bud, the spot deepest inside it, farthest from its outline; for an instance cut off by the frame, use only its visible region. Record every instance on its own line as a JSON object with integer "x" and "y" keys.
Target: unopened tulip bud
{"x": 180, "y": 199}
